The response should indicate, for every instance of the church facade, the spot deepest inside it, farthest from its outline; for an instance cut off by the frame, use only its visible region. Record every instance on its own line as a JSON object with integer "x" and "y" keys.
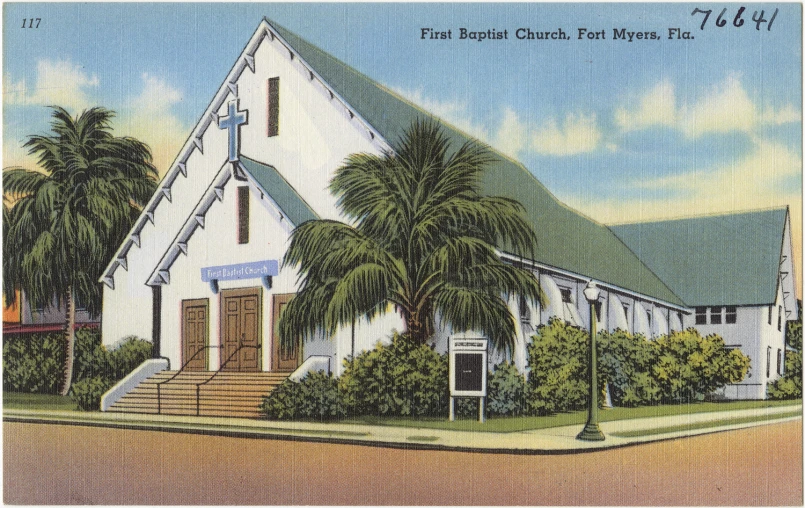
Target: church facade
{"x": 200, "y": 273}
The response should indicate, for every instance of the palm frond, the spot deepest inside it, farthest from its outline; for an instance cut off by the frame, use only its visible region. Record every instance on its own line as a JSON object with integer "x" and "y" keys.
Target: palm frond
{"x": 473, "y": 310}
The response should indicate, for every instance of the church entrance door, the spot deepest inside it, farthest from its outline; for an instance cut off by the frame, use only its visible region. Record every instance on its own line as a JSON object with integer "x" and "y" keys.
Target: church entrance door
{"x": 241, "y": 338}
{"x": 195, "y": 330}
{"x": 283, "y": 359}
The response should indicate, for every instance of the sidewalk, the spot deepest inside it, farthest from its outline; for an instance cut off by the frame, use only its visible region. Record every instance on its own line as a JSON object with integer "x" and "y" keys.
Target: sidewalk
{"x": 551, "y": 440}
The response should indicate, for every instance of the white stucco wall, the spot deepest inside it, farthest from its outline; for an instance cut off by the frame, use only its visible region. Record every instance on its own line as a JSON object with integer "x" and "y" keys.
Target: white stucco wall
{"x": 753, "y": 334}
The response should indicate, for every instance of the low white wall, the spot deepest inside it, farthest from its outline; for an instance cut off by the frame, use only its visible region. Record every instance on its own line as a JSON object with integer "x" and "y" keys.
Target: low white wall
{"x": 147, "y": 369}
{"x": 311, "y": 364}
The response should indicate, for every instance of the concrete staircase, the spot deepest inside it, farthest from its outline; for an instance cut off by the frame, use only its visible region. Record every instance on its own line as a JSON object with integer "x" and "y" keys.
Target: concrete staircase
{"x": 234, "y": 394}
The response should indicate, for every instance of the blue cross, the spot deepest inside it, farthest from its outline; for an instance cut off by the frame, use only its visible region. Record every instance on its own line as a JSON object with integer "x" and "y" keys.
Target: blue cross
{"x": 232, "y": 122}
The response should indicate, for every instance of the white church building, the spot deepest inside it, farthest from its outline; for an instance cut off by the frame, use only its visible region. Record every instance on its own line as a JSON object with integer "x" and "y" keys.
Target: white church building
{"x": 200, "y": 273}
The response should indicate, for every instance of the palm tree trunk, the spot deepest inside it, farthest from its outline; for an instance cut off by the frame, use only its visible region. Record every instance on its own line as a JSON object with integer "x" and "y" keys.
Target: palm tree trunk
{"x": 69, "y": 339}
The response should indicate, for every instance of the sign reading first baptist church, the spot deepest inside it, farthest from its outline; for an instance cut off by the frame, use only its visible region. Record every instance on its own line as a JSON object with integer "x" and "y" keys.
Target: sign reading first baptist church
{"x": 254, "y": 270}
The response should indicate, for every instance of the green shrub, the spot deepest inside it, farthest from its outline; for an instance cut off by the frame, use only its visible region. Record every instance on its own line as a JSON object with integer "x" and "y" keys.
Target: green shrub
{"x": 399, "y": 379}
{"x": 87, "y": 393}
{"x": 506, "y": 391}
{"x": 790, "y": 385}
{"x": 33, "y": 363}
{"x": 127, "y": 356}
{"x": 557, "y": 357}
{"x": 624, "y": 362}
{"x": 689, "y": 367}
{"x": 91, "y": 357}
{"x": 315, "y": 397}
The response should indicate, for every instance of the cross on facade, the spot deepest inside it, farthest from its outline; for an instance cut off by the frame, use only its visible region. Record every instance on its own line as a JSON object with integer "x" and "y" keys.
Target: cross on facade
{"x": 232, "y": 122}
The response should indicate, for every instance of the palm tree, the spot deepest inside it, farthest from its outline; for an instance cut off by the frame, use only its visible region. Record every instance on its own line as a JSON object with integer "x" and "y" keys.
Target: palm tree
{"x": 422, "y": 238}
{"x": 65, "y": 220}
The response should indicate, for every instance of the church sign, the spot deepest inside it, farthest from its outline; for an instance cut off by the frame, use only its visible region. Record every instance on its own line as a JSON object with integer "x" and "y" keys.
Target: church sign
{"x": 253, "y": 270}
{"x": 468, "y": 371}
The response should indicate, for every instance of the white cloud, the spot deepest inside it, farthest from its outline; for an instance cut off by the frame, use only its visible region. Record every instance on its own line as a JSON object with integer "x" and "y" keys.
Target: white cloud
{"x": 787, "y": 114}
{"x": 58, "y": 82}
{"x": 511, "y": 137}
{"x": 577, "y": 134}
{"x": 761, "y": 179}
{"x": 149, "y": 118}
{"x": 656, "y": 107}
{"x": 454, "y": 112}
{"x": 725, "y": 107}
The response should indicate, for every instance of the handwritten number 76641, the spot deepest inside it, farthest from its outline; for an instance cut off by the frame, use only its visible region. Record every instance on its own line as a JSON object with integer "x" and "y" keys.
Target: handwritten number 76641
{"x": 737, "y": 21}
{"x": 31, "y": 22}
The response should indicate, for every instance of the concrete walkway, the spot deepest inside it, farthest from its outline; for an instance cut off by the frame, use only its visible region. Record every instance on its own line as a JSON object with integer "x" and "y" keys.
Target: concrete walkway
{"x": 551, "y": 440}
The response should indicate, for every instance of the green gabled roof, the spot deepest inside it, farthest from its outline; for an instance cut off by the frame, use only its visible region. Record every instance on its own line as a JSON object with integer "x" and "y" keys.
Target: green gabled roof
{"x": 730, "y": 259}
{"x": 567, "y": 239}
{"x": 286, "y": 197}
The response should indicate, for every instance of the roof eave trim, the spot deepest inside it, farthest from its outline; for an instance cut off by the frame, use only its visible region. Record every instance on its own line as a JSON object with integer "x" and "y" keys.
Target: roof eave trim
{"x": 178, "y": 245}
{"x": 599, "y": 282}
{"x": 281, "y": 214}
{"x": 193, "y": 141}
{"x": 374, "y": 134}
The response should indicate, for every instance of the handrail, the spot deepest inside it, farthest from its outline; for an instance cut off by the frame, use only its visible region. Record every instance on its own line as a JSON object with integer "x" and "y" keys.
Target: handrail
{"x": 199, "y": 385}
{"x": 159, "y": 385}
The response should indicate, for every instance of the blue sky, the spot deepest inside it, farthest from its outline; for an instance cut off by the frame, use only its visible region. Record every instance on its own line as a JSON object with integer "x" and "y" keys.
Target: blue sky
{"x": 620, "y": 130}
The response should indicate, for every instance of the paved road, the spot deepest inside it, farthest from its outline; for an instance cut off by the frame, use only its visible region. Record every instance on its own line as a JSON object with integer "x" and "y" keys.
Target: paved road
{"x": 58, "y": 464}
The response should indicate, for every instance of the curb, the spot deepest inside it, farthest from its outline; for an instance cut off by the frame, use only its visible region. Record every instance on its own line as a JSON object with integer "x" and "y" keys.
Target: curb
{"x": 396, "y": 437}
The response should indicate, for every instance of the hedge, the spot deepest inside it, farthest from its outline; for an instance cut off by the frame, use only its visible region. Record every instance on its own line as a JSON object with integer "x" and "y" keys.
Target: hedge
{"x": 405, "y": 379}
{"x": 790, "y": 385}
{"x": 34, "y": 363}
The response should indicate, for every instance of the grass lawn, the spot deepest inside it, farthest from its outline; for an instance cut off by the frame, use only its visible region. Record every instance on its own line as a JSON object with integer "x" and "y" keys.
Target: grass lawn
{"x": 13, "y": 400}
{"x": 503, "y": 424}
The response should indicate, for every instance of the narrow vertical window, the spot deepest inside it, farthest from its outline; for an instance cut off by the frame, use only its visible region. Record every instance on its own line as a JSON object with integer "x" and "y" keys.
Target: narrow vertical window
{"x": 779, "y": 362}
{"x": 243, "y": 215}
{"x": 626, "y": 312}
{"x": 701, "y": 315}
{"x": 770, "y": 308}
{"x": 681, "y": 322}
{"x": 648, "y": 320}
{"x": 779, "y": 318}
{"x": 731, "y": 316}
{"x": 273, "y": 107}
{"x": 715, "y": 315}
{"x": 525, "y": 312}
{"x": 768, "y": 361}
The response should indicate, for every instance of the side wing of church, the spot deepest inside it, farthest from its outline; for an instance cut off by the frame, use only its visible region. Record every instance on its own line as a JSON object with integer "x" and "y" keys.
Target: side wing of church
{"x": 200, "y": 273}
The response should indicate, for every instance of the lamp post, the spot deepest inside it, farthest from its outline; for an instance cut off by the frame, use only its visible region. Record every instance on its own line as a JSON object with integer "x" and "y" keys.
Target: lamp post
{"x": 591, "y": 431}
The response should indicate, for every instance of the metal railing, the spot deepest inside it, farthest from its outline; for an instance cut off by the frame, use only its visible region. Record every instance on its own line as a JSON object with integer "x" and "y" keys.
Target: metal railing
{"x": 199, "y": 385}
{"x": 159, "y": 385}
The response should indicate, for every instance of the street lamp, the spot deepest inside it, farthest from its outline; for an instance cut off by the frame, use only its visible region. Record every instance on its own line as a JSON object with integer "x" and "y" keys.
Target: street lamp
{"x": 591, "y": 431}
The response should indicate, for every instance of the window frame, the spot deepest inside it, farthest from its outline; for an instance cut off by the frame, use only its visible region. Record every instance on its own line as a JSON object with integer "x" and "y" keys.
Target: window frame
{"x": 701, "y": 315}
{"x": 731, "y": 314}
{"x": 779, "y": 362}
{"x": 525, "y": 311}
{"x": 780, "y": 318}
{"x": 715, "y": 315}
{"x": 243, "y": 214}
{"x": 273, "y": 107}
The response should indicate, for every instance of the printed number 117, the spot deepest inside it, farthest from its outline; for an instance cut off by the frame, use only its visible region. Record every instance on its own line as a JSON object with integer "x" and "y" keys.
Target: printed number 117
{"x": 30, "y": 22}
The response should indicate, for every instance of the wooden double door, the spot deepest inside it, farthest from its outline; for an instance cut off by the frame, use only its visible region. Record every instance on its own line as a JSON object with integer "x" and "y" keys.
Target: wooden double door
{"x": 241, "y": 338}
{"x": 240, "y": 332}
